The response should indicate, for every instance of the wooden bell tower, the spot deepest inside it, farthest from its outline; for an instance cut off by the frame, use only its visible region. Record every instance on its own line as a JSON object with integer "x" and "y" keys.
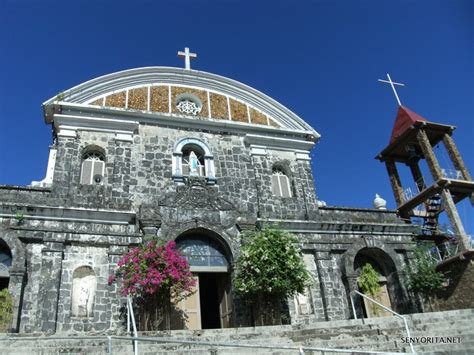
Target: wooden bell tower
{"x": 412, "y": 140}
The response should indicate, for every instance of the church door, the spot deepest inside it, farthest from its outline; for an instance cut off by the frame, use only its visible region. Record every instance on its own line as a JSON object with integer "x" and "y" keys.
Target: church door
{"x": 191, "y": 308}
{"x": 210, "y": 307}
{"x": 382, "y": 297}
{"x": 225, "y": 301}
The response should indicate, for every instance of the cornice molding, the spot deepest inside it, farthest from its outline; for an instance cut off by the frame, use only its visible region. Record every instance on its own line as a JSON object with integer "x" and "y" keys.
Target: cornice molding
{"x": 72, "y": 117}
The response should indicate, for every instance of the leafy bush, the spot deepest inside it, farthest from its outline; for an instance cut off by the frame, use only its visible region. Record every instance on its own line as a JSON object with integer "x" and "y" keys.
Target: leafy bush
{"x": 270, "y": 269}
{"x": 369, "y": 281}
{"x": 422, "y": 276}
{"x": 6, "y": 310}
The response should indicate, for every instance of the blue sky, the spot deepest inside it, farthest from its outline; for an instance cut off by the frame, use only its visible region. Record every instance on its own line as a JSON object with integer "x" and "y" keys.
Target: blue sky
{"x": 321, "y": 59}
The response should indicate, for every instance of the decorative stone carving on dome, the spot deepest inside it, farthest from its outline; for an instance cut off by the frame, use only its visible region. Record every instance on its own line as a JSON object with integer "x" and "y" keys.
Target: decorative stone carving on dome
{"x": 188, "y": 107}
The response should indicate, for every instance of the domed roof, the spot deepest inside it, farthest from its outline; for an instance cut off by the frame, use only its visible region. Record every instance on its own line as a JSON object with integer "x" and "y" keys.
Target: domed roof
{"x": 160, "y": 90}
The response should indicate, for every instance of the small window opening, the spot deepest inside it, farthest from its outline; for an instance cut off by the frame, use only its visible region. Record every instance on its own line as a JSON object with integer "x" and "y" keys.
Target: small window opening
{"x": 281, "y": 186}
{"x": 188, "y": 104}
{"x": 93, "y": 168}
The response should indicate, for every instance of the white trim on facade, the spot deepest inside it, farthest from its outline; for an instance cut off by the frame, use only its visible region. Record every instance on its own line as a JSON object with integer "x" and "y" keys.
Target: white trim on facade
{"x": 48, "y": 179}
{"x": 88, "y": 117}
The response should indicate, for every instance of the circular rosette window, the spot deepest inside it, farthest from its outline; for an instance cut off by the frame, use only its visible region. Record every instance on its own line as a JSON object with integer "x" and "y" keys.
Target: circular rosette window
{"x": 188, "y": 104}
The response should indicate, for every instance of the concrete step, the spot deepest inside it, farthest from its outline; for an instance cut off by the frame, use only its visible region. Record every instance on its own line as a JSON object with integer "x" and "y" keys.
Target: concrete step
{"x": 383, "y": 334}
{"x": 466, "y": 347}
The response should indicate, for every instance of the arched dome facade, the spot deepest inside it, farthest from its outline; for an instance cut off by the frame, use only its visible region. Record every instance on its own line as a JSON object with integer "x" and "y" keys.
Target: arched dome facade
{"x": 158, "y": 92}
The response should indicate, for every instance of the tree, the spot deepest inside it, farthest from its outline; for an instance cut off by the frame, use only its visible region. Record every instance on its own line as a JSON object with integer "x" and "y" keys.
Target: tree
{"x": 154, "y": 274}
{"x": 422, "y": 276}
{"x": 269, "y": 270}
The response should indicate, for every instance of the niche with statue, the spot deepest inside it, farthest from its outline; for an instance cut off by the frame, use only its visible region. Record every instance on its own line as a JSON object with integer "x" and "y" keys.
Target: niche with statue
{"x": 83, "y": 292}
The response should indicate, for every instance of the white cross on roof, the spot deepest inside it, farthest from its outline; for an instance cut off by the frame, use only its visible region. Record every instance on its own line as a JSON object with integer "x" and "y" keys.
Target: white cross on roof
{"x": 187, "y": 55}
{"x": 392, "y": 83}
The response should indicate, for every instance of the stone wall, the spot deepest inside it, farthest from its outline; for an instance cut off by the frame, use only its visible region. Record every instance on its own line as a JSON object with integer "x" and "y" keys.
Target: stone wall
{"x": 460, "y": 290}
{"x": 52, "y": 250}
{"x": 71, "y": 225}
{"x": 138, "y": 173}
{"x": 55, "y": 249}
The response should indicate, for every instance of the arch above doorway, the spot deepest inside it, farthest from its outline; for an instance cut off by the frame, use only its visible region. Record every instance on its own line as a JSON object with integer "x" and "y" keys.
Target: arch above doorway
{"x": 210, "y": 259}
{"x": 388, "y": 265}
{"x": 205, "y": 250}
{"x": 379, "y": 259}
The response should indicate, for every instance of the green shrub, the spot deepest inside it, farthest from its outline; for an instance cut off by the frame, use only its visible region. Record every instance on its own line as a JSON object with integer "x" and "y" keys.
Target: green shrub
{"x": 6, "y": 310}
{"x": 270, "y": 269}
{"x": 422, "y": 276}
{"x": 370, "y": 285}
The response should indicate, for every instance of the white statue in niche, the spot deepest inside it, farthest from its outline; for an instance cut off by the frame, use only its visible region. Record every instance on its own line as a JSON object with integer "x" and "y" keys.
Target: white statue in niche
{"x": 83, "y": 292}
{"x": 193, "y": 164}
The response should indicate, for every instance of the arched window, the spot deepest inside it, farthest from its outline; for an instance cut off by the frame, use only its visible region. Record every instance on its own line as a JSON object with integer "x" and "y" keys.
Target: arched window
{"x": 281, "y": 186}
{"x": 83, "y": 292}
{"x": 5, "y": 264}
{"x": 93, "y": 168}
{"x": 203, "y": 251}
{"x": 192, "y": 157}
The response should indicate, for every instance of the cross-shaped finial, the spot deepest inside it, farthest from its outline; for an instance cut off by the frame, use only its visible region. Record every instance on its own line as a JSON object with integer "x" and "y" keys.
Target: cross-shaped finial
{"x": 392, "y": 83}
{"x": 187, "y": 55}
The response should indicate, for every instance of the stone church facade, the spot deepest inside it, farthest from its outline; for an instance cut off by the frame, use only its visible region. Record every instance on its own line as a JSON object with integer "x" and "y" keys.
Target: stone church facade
{"x": 181, "y": 155}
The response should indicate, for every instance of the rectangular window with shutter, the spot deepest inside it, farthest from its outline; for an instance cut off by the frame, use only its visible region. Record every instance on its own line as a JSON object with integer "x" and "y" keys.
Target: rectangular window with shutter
{"x": 281, "y": 186}
{"x": 285, "y": 186}
{"x": 86, "y": 174}
{"x": 92, "y": 172}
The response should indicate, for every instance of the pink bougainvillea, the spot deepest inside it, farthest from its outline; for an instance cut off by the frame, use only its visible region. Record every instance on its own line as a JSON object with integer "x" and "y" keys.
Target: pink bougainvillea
{"x": 152, "y": 268}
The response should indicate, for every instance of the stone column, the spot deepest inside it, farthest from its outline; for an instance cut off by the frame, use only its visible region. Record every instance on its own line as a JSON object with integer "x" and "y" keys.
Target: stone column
{"x": 455, "y": 156}
{"x": 352, "y": 285}
{"x": 457, "y": 159}
{"x": 117, "y": 301}
{"x": 16, "y": 284}
{"x": 395, "y": 181}
{"x": 332, "y": 287}
{"x": 430, "y": 156}
{"x": 306, "y": 187}
{"x": 455, "y": 220}
{"x": 51, "y": 269}
{"x": 177, "y": 173}
{"x": 321, "y": 308}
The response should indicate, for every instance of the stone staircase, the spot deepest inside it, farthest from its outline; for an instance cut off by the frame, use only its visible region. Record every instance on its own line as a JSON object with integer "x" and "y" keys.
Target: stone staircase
{"x": 375, "y": 334}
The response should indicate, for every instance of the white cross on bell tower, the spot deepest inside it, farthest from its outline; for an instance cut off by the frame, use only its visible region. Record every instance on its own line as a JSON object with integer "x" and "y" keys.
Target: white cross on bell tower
{"x": 187, "y": 55}
{"x": 392, "y": 83}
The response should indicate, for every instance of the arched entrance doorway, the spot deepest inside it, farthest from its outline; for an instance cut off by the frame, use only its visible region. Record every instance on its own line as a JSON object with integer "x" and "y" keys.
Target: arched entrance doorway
{"x": 5, "y": 264}
{"x": 388, "y": 280}
{"x": 210, "y": 258}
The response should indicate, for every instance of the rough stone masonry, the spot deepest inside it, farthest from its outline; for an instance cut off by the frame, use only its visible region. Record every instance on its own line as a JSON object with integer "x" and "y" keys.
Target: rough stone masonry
{"x": 62, "y": 230}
